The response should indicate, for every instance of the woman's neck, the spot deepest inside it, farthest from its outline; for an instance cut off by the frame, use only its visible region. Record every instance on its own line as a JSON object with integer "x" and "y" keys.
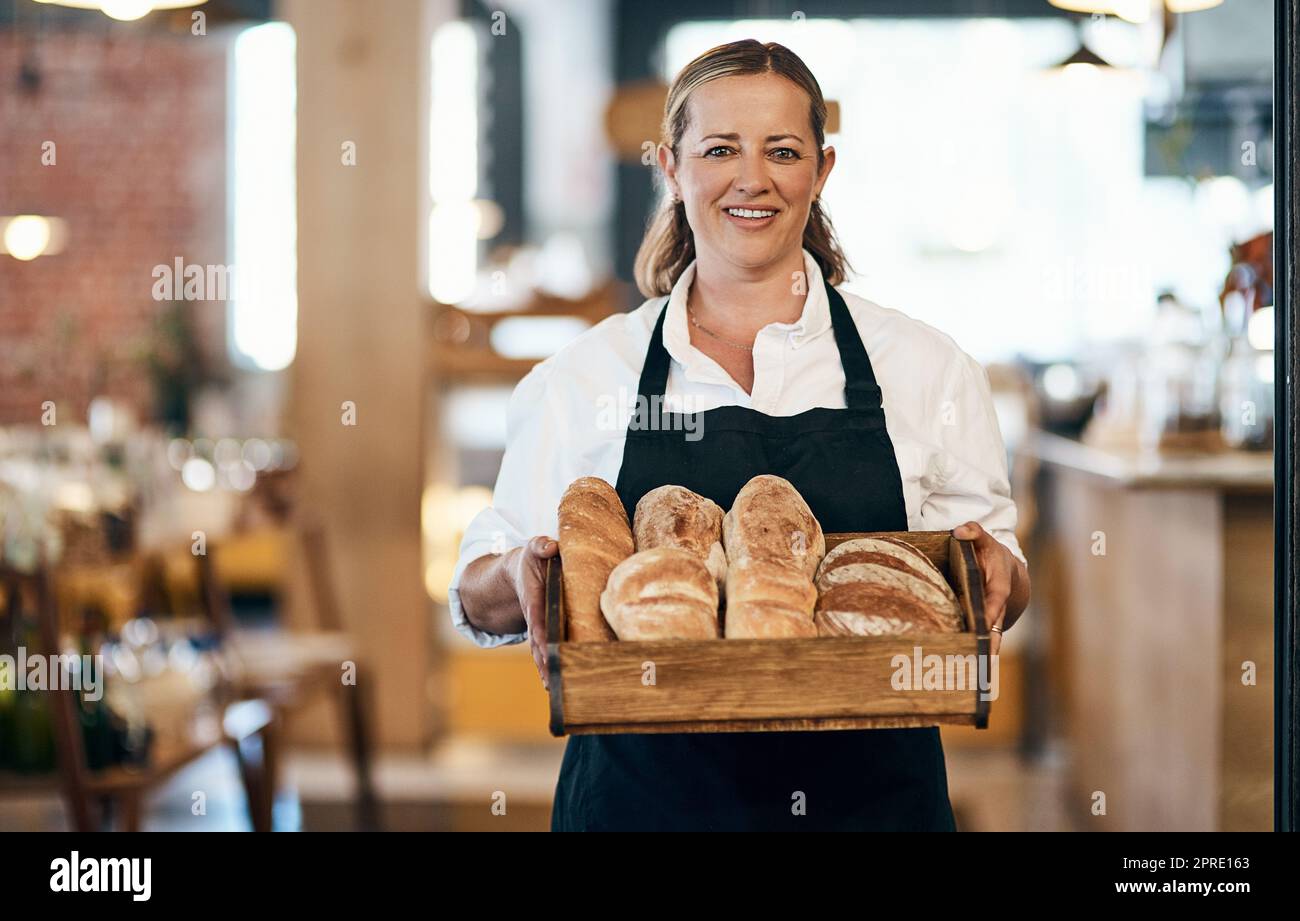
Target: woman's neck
{"x": 737, "y": 303}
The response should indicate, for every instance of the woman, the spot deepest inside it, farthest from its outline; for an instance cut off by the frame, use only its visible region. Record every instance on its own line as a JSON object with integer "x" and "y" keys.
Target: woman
{"x": 788, "y": 377}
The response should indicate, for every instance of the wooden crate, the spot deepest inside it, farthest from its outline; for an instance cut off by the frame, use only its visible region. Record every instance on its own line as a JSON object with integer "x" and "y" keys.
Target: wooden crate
{"x": 731, "y": 685}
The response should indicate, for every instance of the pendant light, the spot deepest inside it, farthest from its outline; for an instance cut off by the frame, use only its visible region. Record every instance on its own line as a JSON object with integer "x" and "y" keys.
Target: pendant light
{"x": 125, "y": 10}
{"x": 1082, "y": 58}
{"x": 1135, "y": 11}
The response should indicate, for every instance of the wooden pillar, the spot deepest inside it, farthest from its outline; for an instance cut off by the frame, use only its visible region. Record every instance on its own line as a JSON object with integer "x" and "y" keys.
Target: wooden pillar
{"x": 362, "y": 80}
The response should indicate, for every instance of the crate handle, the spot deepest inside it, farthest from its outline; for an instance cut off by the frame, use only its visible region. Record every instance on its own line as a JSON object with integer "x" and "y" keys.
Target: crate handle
{"x": 554, "y": 636}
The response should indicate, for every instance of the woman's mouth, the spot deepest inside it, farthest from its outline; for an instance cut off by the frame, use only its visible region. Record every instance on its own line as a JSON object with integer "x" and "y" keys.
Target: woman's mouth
{"x": 750, "y": 217}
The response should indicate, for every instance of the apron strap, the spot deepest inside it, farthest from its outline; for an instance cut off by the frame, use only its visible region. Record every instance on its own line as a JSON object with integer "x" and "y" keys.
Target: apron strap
{"x": 654, "y": 373}
{"x": 860, "y": 388}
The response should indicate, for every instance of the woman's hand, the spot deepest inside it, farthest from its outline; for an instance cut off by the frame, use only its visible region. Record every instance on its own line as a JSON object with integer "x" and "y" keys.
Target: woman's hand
{"x": 528, "y": 572}
{"x": 1006, "y": 580}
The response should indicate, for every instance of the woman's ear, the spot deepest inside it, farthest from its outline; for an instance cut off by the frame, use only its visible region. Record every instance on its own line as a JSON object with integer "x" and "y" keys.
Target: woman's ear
{"x": 668, "y": 163}
{"x": 828, "y": 163}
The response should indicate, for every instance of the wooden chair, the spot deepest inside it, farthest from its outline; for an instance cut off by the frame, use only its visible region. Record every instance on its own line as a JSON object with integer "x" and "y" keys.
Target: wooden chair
{"x": 96, "y": 798}
{"x": 289, "y": 670}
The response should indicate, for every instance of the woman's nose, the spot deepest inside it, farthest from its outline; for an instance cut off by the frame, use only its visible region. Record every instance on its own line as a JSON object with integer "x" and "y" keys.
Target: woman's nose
{"x": 752, "y": 179}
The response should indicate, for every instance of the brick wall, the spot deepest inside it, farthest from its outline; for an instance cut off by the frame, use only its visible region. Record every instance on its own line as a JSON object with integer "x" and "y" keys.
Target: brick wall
{"x": 138, "y": 120}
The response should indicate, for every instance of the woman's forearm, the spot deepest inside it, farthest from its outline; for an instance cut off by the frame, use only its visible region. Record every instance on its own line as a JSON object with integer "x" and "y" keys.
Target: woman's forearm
{"x": 488, "y": 596}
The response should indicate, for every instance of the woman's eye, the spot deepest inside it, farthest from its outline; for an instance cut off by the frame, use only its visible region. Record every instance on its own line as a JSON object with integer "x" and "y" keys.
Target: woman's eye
{"x": 710, "y": 152}
{"x": 792, "y": 155}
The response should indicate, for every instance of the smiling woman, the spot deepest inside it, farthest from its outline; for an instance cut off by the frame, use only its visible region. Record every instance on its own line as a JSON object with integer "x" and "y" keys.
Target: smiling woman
{"x": 740, "y": 267}
{"x": 720, "y": 153}
{"x": 743, "y": 157}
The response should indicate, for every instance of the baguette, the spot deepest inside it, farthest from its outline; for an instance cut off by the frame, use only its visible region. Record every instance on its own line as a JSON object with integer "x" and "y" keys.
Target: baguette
{"x": 768, "y": 601}
{"x": 594, "y": 538}
{"x": 769, "y": 522}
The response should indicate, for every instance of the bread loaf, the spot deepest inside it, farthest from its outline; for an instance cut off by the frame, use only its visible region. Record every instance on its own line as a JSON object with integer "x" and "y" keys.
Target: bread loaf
{"x": 594, "y": 538}
{"x": 768, "y": 601}
{"x": 674, "y": 516}
{"x": 887, "y": 551}
{"x": 876, "y": 586}
{"x": 771, "y": 523}
{"x": 662, "y": 594}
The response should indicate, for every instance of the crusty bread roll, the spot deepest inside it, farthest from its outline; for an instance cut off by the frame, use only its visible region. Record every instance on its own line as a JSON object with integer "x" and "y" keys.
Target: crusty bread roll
{"x": 873, "y": 586}
{"x": 674, "y": 516}
{"x": 886, "y": 551}
{"x": 594, "y": 538}
{"x": 768, "y": 601}
{"x": 771, "y": 523}
{"x": 662, "y": 594}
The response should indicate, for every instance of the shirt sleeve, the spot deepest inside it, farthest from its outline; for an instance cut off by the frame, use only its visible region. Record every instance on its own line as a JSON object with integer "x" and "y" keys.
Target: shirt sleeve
{"x": 528, "y": 489}
{"x": 969, "y": 472}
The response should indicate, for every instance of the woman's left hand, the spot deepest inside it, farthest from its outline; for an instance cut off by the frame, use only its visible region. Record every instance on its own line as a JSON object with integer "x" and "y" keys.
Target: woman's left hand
{"x": 1000, "y": 569}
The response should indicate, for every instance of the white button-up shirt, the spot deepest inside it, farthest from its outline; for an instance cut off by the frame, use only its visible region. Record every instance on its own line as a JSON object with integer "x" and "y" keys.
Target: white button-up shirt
{"x": 568, "y": 417}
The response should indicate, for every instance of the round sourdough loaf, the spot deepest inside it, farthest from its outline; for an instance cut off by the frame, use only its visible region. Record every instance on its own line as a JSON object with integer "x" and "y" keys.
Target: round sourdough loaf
{"x": 886, "y": 551}
{"x": 662, "y": 594}
{"x": 877, "y": 586}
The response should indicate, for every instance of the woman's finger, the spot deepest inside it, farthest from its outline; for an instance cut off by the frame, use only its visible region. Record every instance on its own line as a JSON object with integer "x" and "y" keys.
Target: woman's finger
{"x": 537, "y": 635}
{"x": 543, "y": 546}
{"x": 997, "y": 590}
{"x": 537, "y": 644}
{"x": 533, "y": 599}
{"x": 539, "y": 659}
{"x": 995, "y": 568}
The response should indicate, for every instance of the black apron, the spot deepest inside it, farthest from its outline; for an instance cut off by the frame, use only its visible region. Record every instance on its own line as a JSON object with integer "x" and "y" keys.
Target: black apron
{"x": 842, "y": 462}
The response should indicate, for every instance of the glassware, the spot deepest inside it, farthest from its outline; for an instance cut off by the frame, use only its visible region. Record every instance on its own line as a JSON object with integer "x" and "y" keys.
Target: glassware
{"x": 1245, "y": 382}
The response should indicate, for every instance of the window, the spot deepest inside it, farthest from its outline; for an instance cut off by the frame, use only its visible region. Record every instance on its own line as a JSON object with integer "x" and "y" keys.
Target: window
{"x": 262, "y": 321}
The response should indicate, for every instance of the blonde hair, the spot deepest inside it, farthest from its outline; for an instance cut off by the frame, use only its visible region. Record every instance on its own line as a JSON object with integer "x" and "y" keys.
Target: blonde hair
{"x": 669, "y": 246}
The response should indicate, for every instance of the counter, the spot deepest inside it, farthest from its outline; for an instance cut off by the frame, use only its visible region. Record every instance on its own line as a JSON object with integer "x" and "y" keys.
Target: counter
{"x": 1155, "y": 575}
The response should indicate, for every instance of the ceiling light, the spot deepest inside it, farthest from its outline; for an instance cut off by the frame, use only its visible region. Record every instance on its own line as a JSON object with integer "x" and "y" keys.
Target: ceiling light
{"x": 125, "y": 10}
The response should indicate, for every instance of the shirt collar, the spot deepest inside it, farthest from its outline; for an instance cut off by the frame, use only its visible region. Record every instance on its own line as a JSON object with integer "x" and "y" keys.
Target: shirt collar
{"x": 815, "y": 320}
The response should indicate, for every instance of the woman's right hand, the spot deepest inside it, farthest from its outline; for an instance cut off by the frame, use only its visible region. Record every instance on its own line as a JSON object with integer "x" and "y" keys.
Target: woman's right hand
{"x": 528, "y": 572}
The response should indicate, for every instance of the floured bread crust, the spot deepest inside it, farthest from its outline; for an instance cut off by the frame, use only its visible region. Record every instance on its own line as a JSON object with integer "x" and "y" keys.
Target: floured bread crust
{"x": 771, "y": 523}
{"x": 878, "y": 586}
{"x": 594, "y": 537}
{"x": 661, "y": 594}
{"x": 674, "y": 516}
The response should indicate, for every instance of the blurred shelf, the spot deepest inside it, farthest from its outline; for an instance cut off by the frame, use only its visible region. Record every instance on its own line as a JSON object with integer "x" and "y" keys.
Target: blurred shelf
{"x": 1229, "y": 470}
{"x": 459, "y": 346}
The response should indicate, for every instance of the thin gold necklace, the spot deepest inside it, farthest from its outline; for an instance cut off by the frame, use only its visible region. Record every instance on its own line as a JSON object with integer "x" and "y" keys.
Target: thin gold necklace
{"x": 708, "y": 332}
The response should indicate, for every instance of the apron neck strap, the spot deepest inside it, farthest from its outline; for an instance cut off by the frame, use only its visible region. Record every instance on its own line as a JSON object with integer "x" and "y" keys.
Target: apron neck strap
{"x": 860, "y": 388}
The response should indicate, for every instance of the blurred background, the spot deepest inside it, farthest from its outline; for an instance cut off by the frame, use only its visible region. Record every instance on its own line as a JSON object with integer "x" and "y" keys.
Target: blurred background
{"x": 270, "y": 270}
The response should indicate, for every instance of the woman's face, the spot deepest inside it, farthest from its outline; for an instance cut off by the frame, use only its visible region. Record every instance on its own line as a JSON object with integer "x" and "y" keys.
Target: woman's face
{"x": 748, "y": 145}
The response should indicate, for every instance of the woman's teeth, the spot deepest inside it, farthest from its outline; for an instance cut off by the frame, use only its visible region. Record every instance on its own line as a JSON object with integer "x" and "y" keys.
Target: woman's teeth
{"x": 746, "y": 212}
